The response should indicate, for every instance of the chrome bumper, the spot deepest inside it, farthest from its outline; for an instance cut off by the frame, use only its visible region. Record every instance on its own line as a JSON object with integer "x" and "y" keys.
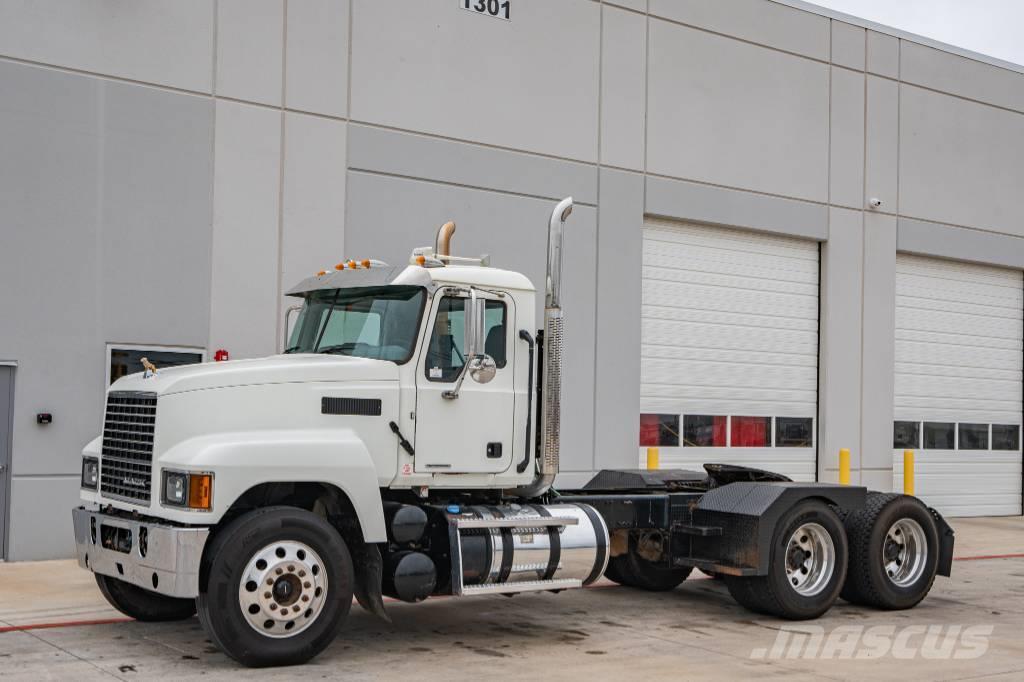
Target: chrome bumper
{"x": 159, "y": 558}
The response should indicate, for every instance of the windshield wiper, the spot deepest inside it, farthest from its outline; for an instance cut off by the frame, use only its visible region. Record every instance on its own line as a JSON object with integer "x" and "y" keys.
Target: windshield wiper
{"x": 337, "y": 348}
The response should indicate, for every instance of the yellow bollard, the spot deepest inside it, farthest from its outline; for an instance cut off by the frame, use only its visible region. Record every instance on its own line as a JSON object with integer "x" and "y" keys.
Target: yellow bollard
{"x": 652, "y": 458}
{"x": 844, "y": 466}
{"x": 908, "y": 472}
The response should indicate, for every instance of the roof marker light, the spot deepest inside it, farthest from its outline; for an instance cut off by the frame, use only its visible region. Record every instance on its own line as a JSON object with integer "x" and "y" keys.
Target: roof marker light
{"x": 321, "y": 273}
{"x": 352, "y": 264}
{"x": 365, "y": 263}
{"x": 340, "y": 266}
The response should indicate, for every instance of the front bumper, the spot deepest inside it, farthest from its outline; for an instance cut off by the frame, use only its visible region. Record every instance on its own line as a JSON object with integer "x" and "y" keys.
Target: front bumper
{"x": 157, "y": 557}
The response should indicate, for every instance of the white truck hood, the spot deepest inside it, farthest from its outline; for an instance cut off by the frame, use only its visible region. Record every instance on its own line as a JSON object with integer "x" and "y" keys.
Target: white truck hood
{"x": 276, "y": 369}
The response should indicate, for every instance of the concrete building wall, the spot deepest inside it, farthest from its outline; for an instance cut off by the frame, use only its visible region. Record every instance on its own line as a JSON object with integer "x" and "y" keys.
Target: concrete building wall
{"x": 169, "y": 169}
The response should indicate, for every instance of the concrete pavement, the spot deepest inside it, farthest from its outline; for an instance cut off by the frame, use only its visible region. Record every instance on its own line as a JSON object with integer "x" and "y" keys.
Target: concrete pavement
{"x": 55, "y": 625}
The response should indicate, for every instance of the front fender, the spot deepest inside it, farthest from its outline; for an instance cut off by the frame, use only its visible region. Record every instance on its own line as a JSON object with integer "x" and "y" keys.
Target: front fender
{"x": 242, "y": 460}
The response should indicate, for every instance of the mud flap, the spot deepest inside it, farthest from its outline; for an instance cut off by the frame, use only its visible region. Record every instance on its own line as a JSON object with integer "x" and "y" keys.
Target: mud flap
{"x": 946, "y": 538}
{"x": 369, "y": 569}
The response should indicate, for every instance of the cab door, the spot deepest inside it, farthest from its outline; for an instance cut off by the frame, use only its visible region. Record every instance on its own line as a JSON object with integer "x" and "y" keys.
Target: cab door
{"x": 471, "y": 433}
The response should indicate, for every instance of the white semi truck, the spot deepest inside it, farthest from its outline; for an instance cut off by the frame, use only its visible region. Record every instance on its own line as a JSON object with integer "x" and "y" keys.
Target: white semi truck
{"x": 405, "y": 444}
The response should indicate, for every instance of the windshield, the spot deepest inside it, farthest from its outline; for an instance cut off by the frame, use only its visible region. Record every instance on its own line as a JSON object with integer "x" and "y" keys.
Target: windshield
{"x": 367, "y": 322}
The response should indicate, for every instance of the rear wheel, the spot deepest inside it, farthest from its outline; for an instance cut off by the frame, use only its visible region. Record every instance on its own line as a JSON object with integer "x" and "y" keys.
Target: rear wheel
{"x": 279, "y": 587}
{"x": 806, "y": 568}
{"x": 894, "y": 552}
{"x": 142, "y": 604}
{"x": 642, "y": 565}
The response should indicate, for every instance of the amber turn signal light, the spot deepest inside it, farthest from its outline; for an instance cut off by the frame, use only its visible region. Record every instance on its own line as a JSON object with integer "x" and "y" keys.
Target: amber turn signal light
{"x": 200, "y": 491}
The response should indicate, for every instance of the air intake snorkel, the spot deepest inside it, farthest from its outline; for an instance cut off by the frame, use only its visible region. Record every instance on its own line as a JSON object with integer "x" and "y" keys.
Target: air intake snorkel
{"x": 551, "y": 412}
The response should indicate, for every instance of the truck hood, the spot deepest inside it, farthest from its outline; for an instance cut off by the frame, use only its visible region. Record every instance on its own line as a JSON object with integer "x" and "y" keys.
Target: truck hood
{"x": 276, "y": 369}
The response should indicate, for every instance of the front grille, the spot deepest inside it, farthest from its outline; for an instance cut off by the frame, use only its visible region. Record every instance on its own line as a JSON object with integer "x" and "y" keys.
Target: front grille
{"x": 127, "y": 465}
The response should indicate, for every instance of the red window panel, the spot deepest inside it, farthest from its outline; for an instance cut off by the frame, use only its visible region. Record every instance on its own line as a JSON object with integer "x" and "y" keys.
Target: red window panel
{"x": 751, "y": 432}
{"x": 649, "y": 427}
{"x": 659, "y": 430}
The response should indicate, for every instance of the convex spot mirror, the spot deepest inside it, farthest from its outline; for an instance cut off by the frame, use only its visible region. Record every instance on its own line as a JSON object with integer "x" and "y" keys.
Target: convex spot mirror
{"x": 482, "y": 368}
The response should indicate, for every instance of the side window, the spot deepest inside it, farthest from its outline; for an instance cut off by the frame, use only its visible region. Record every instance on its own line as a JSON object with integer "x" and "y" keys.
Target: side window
{"x": 445, "y": 354}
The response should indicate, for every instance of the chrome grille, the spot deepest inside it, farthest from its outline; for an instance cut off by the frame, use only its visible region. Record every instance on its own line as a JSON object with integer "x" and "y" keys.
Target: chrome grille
{"x": 126, "y": 466}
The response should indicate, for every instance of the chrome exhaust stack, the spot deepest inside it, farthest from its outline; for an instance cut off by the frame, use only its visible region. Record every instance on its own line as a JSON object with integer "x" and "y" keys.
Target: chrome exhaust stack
{"x": 551, "y": 400}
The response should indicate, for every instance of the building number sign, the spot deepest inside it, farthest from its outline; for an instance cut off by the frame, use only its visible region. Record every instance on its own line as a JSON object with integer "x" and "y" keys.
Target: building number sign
{"x": 490, "y": 8}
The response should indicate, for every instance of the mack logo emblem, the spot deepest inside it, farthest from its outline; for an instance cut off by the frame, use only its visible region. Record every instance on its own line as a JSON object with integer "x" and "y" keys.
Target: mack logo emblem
{"x": 128, "y": 480}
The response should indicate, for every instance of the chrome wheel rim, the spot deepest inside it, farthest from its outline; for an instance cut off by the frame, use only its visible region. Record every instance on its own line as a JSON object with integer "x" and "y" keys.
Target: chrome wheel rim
{"x": 283, "y": 589}
{"x": 810, "y": 559}
{"x": 905, "y": 552}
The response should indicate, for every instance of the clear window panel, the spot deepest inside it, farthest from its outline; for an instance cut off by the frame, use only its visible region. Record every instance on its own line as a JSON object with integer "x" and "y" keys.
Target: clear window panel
{"x": 659, "y": 430}
{"x": 906, "y": 435}
{"x": 973, "y": 436}
{"x": 704, "y": 431}
{"x": 445, "y": 356}
{"x": 939, "y": 435}
{"x": 1006, "y": 436}
{"x": 794, "y": 432}
{"x": 124, "y": 361}
{"x": 751, "y": 432}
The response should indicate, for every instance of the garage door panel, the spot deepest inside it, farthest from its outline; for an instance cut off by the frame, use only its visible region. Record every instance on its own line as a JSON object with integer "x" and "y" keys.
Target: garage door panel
{"x": 1010, "y": 374}
{"x": 696, "y": 353}
{"x": 661, "y": 269}
{"x": 691, "y": 296}
{"x": 978, "y": 324}
{"x": 978, "y": 309}
{"x": 959, "y": 359}
{"x": 728, "y": 240}
{"x": 714, "y": 374}
{"x": 922, "y": 291}
{"x": 939, "y": 354}
{"x": 729, "y": 337}
{"x": 980, "y": 390}
{"x": 725, "y": 318}
{"x": 699, "y": 261}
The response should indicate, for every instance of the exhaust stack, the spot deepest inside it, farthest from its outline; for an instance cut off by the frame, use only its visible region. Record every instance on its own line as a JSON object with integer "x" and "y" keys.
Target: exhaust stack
{"x": 551, "y": 401}
{"x": 443, "y": 242}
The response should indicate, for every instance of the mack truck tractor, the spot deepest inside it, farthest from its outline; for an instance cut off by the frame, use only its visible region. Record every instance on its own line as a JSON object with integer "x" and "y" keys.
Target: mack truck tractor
{"x": 404, "y": 445}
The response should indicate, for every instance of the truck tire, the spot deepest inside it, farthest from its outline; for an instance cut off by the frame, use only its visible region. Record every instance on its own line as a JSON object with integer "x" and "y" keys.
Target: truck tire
{"x": 806, "y": 567}
{"x": 894, "y": 552}
{"x": 144, "y": 605}
{"x": 278, "y": 587}
{"x": 633, "y": 570}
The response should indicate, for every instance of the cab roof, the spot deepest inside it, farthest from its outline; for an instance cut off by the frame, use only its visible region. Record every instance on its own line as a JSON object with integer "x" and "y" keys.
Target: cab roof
{"x": 413, "y": 275}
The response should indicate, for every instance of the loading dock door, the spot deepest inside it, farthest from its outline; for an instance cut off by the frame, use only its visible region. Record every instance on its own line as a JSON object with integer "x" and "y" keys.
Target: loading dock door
{"x": 958, "y": 389}
{"x": 729, "y": 350}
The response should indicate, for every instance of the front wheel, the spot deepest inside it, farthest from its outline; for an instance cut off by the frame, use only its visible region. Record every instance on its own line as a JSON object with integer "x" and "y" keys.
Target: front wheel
{"x": 806, "y": 569}
{"x": 144, "y": 605}
{"x": 279, "y": 587}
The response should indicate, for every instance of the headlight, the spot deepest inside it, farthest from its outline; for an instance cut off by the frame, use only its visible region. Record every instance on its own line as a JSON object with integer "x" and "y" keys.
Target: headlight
{"x": 90, "y": 473}
{"x": 190, "y": 490}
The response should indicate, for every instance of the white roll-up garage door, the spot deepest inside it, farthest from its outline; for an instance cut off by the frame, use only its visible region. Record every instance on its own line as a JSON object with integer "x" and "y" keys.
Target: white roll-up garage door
{"x": 729, "y": 352}
{"x": 959, "y": 357}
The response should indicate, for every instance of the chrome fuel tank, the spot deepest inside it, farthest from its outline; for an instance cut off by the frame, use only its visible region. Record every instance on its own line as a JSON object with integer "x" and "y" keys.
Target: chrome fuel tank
{"x": 508, "y": 544}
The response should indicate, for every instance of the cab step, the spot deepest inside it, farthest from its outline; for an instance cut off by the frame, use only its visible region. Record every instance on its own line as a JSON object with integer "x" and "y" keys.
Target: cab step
{"x": 525, "y": 586}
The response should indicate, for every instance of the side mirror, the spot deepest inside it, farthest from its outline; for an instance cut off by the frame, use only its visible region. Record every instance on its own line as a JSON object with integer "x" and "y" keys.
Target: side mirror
{"x": 475, "y": 310}
{"x": 480, "y": 366}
